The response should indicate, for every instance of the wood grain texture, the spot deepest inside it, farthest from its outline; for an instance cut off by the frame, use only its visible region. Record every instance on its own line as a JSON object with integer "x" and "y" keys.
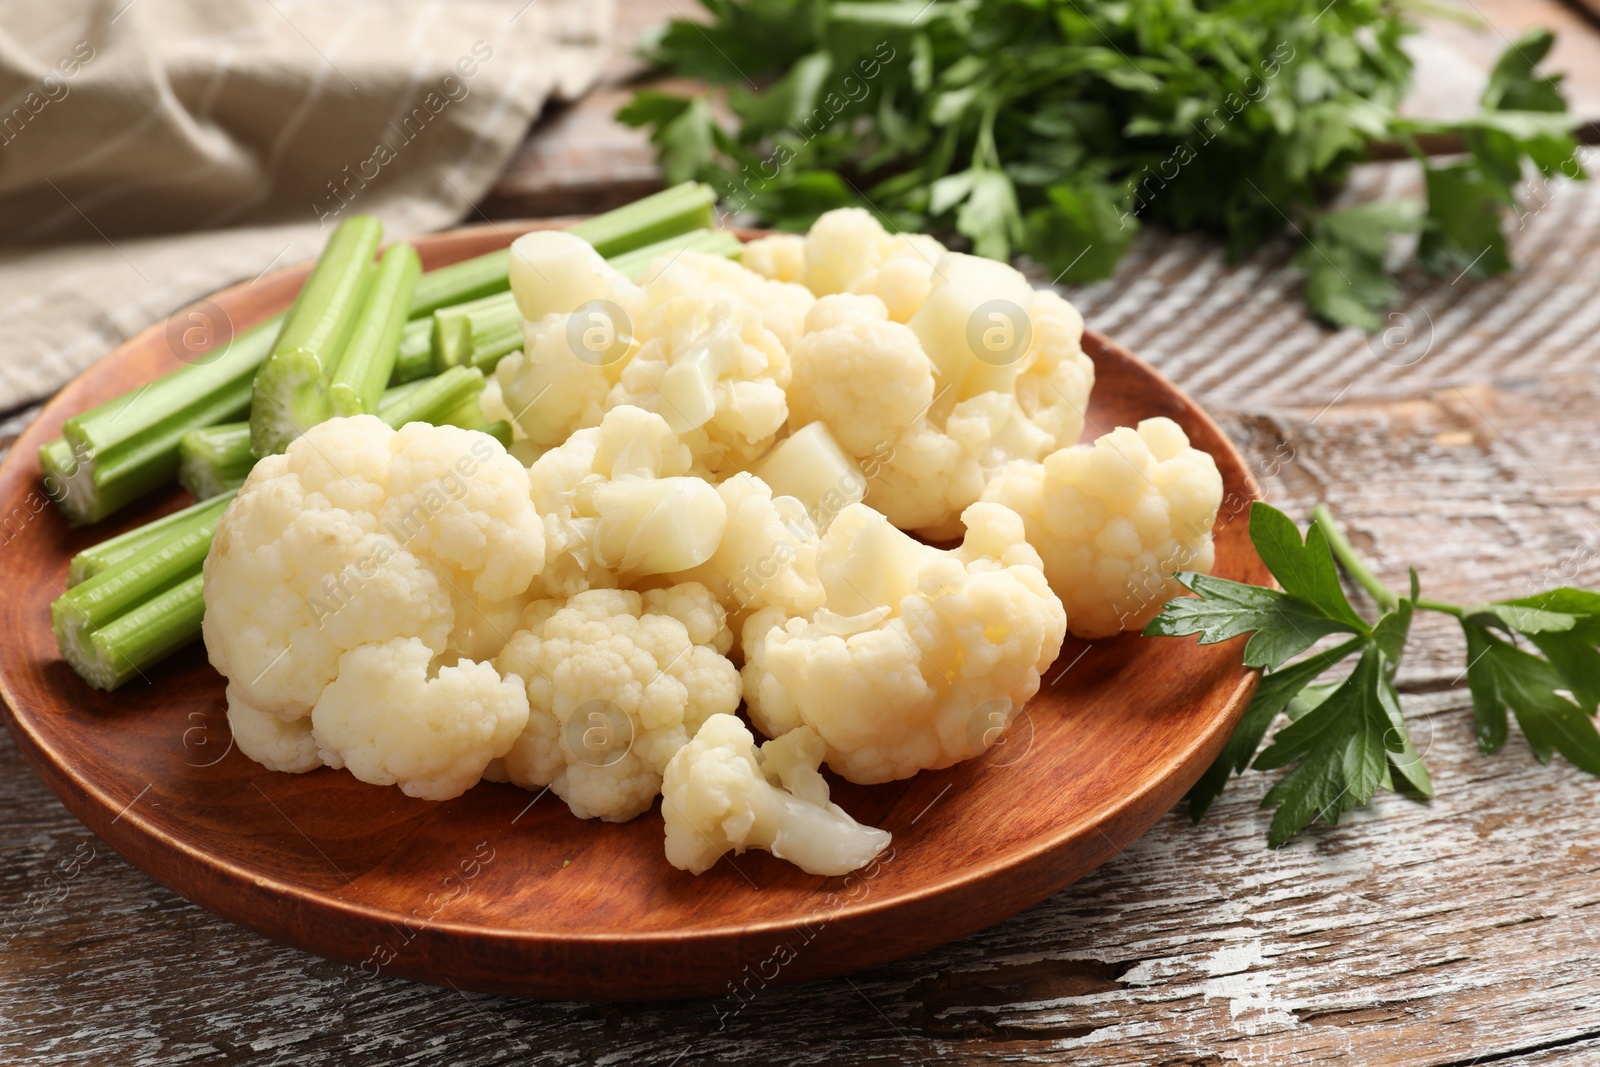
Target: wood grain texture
{"x": 492, "y": 891}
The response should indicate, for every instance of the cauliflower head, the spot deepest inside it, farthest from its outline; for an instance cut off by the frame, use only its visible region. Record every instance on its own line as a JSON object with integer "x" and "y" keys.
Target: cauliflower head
{"x": 617, "y": 683}
{"x": 917, "y": 654}
{"x": 349, "y": 587}
{"x": 356, "y": 535}
{"x": 722, "y": 794}
{"x": 779, "y": 302}
{"x": 1113, "y": 521}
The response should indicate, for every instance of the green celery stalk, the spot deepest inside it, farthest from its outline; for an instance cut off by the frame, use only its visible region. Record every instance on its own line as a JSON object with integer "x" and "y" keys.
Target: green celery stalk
{"x": 138, "y": 640}
{"x": 415, "y": 358}
{"x": 369, "y": 357}
{"x": 711, "y": 242}
{"x": 111, "y": 455}
{"x": 291, "y": 389}
{"x": 108, "y": 553}
{"x": 684, "y": 207}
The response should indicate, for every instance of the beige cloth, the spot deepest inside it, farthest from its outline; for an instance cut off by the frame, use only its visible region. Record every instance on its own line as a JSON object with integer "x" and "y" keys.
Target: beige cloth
{"x": 153, "y": 151}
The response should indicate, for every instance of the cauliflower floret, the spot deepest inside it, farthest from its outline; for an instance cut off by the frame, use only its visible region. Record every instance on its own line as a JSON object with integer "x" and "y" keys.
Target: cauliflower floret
{"x": 918, "y": 654}
{"x": 270, "y": 741}
{"x": 387, "y": 721}
{"x": 715, "y": 373}
{"x": 781, "y": 257}
{"x": 905, "y": 276}
{"x": 781, "y": 305}
{"x": 1113, "y": 521}
{"x": 617, "y": 504}
{"x": 616, "y": 683}
{"x": 355, "y": 535}
{"x": 721, "y": 794}
{"x": 986, "y": 373}
{"x": 767, "y": 556}
{"x": 864, "y": 376}
{"x": 345, "y": 571}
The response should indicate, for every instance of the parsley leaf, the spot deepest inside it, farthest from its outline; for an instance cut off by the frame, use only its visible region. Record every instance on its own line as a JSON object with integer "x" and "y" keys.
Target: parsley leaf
{"x": 1346, "y": 739}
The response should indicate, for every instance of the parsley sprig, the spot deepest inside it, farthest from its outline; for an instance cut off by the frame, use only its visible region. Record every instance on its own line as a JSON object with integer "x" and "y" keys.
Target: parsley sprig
{"x": 1536, "y": 657}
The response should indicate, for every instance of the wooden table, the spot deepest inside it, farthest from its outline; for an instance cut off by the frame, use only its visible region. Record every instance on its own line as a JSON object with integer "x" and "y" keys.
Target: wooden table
{"x": 1454, "y": 933}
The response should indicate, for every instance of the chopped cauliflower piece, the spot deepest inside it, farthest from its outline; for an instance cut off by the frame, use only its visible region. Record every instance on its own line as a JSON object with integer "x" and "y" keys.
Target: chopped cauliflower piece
{"x": 603, "y": 522}
{"x": 1113, "y": 521}
{"x": 809, "y": 466}
{"x": 355, "y": 535}
{"x": 553, "y": 272}
{"x": 721, "y": 794}
{"x": 767, "y": 556}
{"x": 864, "y": 376}
{"x": 714, "y": 373}
{"x": 781, "y": 305}
{"x": 389, "y": 723}
{"x": 917, "y": 654}
{"x": 617, "y": 682}
{"x": 344, "y": 587}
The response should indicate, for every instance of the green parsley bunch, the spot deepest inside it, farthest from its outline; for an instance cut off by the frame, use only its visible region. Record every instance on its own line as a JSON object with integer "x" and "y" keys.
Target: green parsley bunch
{"x": 1058, "y": 127}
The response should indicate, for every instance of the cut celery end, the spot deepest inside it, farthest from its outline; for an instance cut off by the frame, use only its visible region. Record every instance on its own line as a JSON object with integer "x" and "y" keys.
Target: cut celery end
{"x": 108, "y": 553}
{"x": 216, "y": 459}
{"x": 455, "y": 329}
{"x": 290, "y": 398}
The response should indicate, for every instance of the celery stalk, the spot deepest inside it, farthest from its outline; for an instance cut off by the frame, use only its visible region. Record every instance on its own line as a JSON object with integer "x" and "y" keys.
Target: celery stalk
{"x": 138, "y": 640}
{"x": 108, "y": 553}
{"x": 369, "y": 357}
{"x": 113, "y": 454}
{"x": 415, "y": 358}
{"x": 291, "y": 389}
{"x": 710, "y": 242}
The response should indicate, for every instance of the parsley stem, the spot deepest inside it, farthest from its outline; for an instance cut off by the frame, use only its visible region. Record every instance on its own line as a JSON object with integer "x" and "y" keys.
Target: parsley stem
{"x": 1387, "y": 598}
{"x": 1346, "y": 555}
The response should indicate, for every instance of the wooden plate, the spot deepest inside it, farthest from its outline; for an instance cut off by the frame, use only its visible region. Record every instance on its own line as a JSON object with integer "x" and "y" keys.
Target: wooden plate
{"x": 500, "y": 891}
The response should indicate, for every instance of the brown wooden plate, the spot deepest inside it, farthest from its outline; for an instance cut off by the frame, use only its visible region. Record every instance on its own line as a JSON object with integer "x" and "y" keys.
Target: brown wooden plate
{"x": 503, "y": 891}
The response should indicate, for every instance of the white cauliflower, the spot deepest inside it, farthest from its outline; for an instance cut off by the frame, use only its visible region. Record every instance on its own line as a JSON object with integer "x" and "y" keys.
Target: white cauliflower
{"x": 918, "y": 654}
{"x": 986, "y": 373}
{"x": 781, "y": 257}
{"x": 1113, "y": 521}
{"x": 617, "y": 682}
{"x": 617, "y": 504}
{"x": 389, "y": 723}
{"x": 722, "y": 794}
{"x": 715, "y": 373}
{"x": 357, "y": 538}
{"x": 767, "y": 556}
{"x": 578, "y": 336}
{"x": 864, "y": 376}
{"x": 781, "y": 304}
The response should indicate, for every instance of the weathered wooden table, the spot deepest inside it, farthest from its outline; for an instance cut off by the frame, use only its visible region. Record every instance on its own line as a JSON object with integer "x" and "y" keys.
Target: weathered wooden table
{"x": 1464, "y": 441}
